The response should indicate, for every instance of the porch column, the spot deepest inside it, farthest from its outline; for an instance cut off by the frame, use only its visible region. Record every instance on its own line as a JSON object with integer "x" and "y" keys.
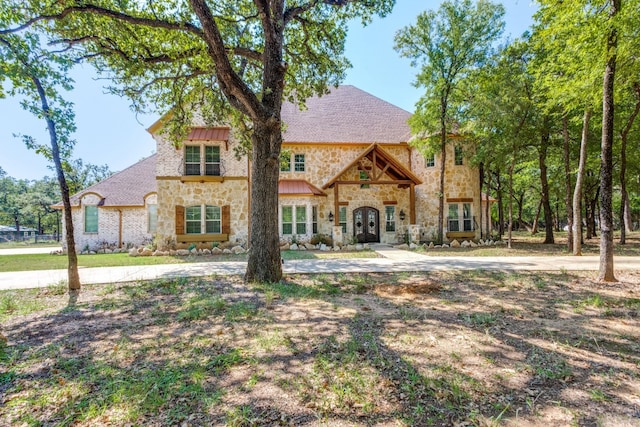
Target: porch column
{"x": 336, "y": 204}
{"x": 412, "y": 203}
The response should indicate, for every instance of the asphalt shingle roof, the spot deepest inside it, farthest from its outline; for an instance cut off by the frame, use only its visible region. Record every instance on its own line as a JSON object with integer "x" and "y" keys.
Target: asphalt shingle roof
{"x": 346, "y": 115}
{"x": 125, "y": 188}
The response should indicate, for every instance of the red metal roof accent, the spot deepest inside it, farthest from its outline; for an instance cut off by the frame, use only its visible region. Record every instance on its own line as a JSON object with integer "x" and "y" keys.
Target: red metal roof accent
{"x": 208, "y": 134}
{"x": 298, "y": 187}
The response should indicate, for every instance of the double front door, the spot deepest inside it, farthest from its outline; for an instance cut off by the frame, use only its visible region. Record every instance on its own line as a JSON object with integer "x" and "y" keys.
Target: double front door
{"x": 366, "y": 224}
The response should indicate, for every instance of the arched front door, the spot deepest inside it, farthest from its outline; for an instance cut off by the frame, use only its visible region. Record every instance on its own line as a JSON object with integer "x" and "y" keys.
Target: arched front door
{"x": 366, "y": 224}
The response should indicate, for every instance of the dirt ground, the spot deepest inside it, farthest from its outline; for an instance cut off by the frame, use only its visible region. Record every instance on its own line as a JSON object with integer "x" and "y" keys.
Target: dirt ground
{"x": 447, "y": 349}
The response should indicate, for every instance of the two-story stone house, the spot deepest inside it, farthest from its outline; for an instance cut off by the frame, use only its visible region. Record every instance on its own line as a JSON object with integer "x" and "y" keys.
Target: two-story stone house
{"x": 347, "y": 171}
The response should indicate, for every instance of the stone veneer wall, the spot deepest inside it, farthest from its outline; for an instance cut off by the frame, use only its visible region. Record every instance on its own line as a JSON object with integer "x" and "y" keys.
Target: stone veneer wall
{"x": 461, "y": 181}
{"x": 322, "y": 163}
{"x": 232, "y": 192}
{"x": 135, "y": 224}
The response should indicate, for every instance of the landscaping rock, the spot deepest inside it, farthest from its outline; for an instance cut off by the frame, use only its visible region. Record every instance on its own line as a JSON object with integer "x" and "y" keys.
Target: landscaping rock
{"x": 206, "y": 252}
{"x": 182, "y": 252}
{"x": 285, "y": 247}
{"x": 403, "y": 246}
{"x": 309, "y": 246}
{"x": 455, "y": 244}
{"x": 238, "y": 250}
{"x": 473, "y": 244}
{"x": 216, "y": 251}
{"x": 324, "y": 247}
{"x": 431, "y": 245}
{"x": 413, "y": 246}
{"x": 227, "y": 251}
{"x": 359, "y": 247}
{"x": 465, "y": 244}
{"x": 133, "y": 252}
{"x": 146, "y": 252}
{"x": 445, "y": 245}
{"x": 293, "y": 247}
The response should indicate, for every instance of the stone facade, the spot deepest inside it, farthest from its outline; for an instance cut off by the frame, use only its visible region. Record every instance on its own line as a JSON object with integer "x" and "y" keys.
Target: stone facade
{"x": 322, "y": 162}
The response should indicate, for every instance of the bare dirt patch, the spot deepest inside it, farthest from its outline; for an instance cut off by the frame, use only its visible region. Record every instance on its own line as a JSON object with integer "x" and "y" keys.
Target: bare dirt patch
{"x": 467, "y": 348}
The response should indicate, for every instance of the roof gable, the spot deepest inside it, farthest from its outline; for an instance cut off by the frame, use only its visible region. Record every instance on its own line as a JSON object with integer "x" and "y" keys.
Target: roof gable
{"x": 384, "y": 163}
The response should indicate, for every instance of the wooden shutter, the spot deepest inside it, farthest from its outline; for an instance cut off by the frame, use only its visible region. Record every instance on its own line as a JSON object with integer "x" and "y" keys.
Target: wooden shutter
{"x": 179, "y": 219}
{"x": 226, "y": 219}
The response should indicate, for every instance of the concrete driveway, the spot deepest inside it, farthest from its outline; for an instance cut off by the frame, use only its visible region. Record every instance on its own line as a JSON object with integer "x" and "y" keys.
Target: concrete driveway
{"x": 391, "y": 260}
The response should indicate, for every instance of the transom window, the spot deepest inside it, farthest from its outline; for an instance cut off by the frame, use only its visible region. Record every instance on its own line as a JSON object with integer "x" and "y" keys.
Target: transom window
{"x": 202, "y": 158}
{"x": 203, "y": 219}
{"x": 294, "y": 218}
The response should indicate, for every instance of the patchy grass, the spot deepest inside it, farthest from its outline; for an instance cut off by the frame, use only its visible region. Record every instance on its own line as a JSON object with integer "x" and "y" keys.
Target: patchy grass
{"x": 439, "y": 348}
{"x": 57, "y": 262}
{"x": 524, "y": 244}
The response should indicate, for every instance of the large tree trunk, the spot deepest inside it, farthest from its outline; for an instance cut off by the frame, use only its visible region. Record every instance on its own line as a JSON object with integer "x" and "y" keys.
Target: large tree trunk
{"x": 520, "y": 209}
{"x": 606, "y": 273}
{"x": 72, "y": 268}
{"x": 625, "y": 217}
{"x": 577, "y": 191}
{"x": 510, "y": 227}
{"x": 443, "y": 159}
{"x": 487, "y": 207}
{"x": 536, "y": 219}
{"x": 481, "y": 180}
{"x": 264, "y": 262}
{"x": 544, "y": 183}
{"x": 500, "y": 204}
{"x": 567, "y": 178}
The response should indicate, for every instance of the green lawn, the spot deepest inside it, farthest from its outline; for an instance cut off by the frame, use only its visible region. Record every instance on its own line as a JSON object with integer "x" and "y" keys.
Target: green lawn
{"x": 56, "y": 262}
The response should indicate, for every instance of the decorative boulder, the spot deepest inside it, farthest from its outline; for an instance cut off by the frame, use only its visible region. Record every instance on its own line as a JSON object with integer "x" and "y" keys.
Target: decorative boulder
{"x": 403, "y": 246}
{"x": 216, "y": 251}
{"x": 413, "y": 246}
{"x": 465, "y": 244}
{"x": 431, "y": 245}
{"x": 285, "y": 247}
{"x": 445, "y": 245}
{"x": 227, "y": 251}
{"x": 206, "y": 252}
{"x": 133, "y": 252}
{"x": 455, "y": 244}
{"x": 324, "y": 247}
{"x": 146, "y": 252}
{"x": 293, "y": 247}
{"x": 309, "y": 246}
{"x": 238, "y": 250}
{"x": 182, "y": 252}
{"x": 473, "y": 244}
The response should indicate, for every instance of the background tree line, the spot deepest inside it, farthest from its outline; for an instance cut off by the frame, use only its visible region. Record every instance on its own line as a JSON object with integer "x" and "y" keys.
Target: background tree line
{"x": 549, "y": 118}
{"x": 27, "y": 203}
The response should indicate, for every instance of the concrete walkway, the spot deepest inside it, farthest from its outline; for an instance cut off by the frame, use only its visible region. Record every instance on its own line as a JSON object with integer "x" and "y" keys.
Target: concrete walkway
{"x": 27, "y": 251}
{"x": 392, "y": 260}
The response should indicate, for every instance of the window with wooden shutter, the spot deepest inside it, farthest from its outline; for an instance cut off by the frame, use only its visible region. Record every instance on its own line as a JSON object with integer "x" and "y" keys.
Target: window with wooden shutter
{"x": 179, "y": 219}
{"x": 226, "y": 219}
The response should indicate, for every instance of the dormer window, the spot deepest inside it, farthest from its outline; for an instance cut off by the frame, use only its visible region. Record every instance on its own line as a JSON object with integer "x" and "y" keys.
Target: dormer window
{"x": 202, "y": 160}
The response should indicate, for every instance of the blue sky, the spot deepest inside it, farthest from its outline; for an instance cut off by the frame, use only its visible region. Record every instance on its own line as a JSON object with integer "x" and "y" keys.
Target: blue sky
{"x": 110, "y": 133}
